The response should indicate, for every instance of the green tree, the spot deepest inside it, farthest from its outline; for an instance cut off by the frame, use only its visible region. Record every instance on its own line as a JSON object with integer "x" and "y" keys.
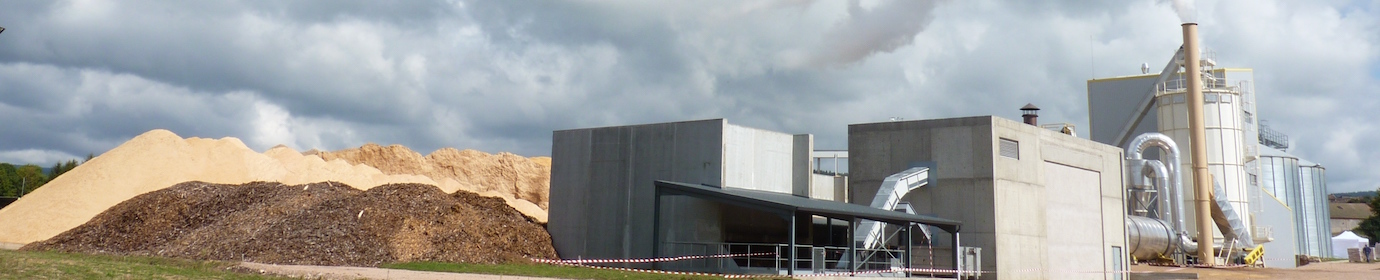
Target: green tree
{"x": 1370, "y": 227}
{"x": 62, "y": 167}
{"x": 55, "y": 170}
{"x": 9, "y": 180}
{"x": 30, "y": 177}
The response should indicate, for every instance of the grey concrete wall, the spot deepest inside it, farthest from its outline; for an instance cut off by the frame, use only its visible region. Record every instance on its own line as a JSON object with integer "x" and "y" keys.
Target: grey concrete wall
{"x": 961, "y": 186}
{"x": 602, "y": 186}
{"x": 802, "y": 164}
{"x": 828, "y": 187}
{"x": 1083, "y": 217}
{"x": 759, "y": 159}
{"x": 1057, "y": 207}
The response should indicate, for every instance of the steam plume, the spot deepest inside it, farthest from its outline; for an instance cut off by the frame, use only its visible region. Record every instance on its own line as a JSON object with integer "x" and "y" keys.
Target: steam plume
{"x": 881, "y": 29}
{"x": 1185, "y": 10}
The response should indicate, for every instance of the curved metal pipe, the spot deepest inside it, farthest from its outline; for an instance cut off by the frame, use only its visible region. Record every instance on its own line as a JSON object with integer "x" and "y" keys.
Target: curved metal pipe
{"x": 1135, "y": 150}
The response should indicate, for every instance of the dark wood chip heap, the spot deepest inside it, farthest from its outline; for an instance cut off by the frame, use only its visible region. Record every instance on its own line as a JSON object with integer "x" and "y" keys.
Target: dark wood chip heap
{"x": 314, "y": 224}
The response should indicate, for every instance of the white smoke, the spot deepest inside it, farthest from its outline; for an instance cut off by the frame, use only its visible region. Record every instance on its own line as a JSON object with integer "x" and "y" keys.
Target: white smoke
{"x": 882, "y": 28}
{"x": 1186, "y": 11}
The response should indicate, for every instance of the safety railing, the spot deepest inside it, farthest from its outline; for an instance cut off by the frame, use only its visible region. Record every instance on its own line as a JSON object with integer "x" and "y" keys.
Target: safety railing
{"x": 774, "y": 258}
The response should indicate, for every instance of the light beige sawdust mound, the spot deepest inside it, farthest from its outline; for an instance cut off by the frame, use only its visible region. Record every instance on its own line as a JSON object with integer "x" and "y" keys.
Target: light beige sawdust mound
{"x": 504, "y": 173}
{"x": 159, "y": 159}
{"x": 545, "y": 161}
{"x": 152, "y": 161}
{"x": 304, "y": 169}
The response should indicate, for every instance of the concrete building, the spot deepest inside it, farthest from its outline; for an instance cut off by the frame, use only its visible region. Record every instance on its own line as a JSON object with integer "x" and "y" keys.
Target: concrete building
{"x": 705, "y": 188}
{"x": 604, "y": 179}
{"x": 1347, "y": 216}
{"x": 1036, "y": 201}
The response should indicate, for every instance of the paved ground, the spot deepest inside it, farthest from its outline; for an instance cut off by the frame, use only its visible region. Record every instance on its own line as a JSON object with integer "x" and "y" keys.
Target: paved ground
{"x": 1326, "y": 270}
{"x": 350, "y": 273}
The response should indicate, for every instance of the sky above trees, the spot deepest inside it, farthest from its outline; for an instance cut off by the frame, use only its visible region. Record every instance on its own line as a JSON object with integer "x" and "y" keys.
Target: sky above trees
{"x": 80, "y": 77}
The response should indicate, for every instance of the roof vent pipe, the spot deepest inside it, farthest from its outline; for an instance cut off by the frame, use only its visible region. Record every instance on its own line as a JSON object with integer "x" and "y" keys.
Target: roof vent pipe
{"x": 1030, "y": 113}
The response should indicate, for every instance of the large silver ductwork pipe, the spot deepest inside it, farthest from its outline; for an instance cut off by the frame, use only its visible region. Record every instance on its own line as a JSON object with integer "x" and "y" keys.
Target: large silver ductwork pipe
{"x": 1170, "y": 181}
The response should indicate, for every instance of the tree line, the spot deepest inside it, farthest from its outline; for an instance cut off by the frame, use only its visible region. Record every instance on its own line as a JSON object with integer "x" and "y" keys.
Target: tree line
{"x": 17, "y": 181}
{"x": 1370, "y": 227}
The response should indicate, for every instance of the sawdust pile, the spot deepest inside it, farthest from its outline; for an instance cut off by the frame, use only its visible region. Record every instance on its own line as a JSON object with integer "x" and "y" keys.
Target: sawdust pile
{"x": 159, "y": 158}
{"x": 475, "y": 171}
{"x": 312, "y": 224}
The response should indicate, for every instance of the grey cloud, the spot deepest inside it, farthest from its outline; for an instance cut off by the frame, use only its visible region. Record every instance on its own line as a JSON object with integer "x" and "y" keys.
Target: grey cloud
{"x": 501, "y": 75}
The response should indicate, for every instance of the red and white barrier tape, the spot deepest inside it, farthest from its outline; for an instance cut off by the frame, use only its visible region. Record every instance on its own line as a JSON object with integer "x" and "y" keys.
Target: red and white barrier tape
{"x": 581, "y": 263}
{"x": 665, "y": 259}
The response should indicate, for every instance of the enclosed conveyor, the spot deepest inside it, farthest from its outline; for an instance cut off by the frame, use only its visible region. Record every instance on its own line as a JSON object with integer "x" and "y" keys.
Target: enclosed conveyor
{"x": 870, "y": 235}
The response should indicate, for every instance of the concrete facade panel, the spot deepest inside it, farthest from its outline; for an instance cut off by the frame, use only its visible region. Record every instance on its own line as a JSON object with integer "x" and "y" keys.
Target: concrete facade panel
{"x": 1016, "y": 267}
{"x": 1005, "y": 203}
{"x": 802, "y": 165}
{"x": 1028, "y": 201}
{"x": 1074, "y": 198}
{"x": 758, "y": 159}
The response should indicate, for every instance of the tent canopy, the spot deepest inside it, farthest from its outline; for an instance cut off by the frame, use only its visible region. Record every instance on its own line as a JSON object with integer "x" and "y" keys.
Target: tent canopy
{"x": 1347, "y": 240}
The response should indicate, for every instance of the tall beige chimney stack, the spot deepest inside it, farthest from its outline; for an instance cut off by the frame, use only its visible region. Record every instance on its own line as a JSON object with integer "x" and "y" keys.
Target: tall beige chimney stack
{"x": 1202, "y": 182}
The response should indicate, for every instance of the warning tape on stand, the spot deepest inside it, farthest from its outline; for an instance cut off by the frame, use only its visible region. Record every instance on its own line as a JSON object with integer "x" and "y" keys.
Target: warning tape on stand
{"x": 582, "y": 263}
{"x": 647, "y": 260}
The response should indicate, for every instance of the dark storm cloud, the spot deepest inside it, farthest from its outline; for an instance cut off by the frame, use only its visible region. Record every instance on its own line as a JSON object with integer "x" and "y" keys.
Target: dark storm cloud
{"x": 83, "y": 76}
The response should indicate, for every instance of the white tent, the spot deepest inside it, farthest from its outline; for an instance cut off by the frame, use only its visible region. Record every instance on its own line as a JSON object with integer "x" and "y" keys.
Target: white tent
{"x": 1346, "y": 240}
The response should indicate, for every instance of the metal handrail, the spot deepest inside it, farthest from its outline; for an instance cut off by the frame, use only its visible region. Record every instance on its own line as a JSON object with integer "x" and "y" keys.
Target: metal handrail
{"x": 779, "y": 258}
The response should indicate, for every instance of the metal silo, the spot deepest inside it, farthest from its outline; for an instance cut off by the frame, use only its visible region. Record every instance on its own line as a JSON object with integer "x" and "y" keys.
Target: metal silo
{"x": 1279, "y": 174}
{"x": 1317, "y": 224}
{"x": 1225, "y": 127}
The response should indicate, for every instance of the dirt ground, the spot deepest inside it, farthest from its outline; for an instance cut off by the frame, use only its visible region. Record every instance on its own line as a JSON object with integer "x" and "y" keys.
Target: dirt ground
{"x": 1325, "y": 270}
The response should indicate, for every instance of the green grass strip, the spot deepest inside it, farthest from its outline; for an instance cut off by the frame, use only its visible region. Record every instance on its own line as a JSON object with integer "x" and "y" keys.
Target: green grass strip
{"x": 54, "y": 265}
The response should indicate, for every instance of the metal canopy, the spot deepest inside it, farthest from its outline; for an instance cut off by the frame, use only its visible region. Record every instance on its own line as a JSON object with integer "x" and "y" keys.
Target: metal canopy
{"x": 790, "y": 203}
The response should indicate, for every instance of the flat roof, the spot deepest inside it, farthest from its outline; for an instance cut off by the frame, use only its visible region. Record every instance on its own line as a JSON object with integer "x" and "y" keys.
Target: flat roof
{"x": 787, "y": 202}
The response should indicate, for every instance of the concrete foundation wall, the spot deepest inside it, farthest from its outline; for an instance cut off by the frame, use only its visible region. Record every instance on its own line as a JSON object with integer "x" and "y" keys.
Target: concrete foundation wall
{"x": 1056, "y": 207}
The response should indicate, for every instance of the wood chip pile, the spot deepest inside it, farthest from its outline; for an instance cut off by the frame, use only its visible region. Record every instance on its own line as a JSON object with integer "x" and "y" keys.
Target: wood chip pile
{"x": 325, "y": 223}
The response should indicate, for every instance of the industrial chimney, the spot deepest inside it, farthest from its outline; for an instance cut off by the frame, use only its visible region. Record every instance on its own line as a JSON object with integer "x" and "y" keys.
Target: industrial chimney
{"x": 1202, "y": 183}
{"x": 1030, "y": 113}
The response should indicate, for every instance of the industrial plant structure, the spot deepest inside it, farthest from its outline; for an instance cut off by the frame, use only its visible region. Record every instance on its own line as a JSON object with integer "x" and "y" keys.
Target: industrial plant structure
{"x": 1026, "y": 198}
{"x": 1173, "y": 175}
{"x": 1242, "y": 151}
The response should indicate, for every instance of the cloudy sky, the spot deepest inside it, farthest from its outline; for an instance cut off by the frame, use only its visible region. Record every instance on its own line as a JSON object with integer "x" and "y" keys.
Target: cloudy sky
{"x": 80, "y": 77}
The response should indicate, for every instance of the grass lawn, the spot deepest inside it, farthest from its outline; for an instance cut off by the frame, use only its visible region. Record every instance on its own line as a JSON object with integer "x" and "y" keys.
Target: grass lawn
{"x": 541, "y": 270}
{"x": 53, "y": 265}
